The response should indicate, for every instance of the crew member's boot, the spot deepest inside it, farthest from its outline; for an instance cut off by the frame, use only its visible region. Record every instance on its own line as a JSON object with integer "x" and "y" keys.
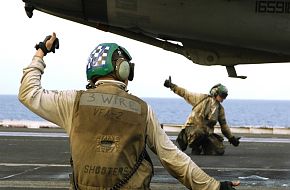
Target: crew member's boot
{"x": 182, "y": 140}
{"x": 196, "y": 150}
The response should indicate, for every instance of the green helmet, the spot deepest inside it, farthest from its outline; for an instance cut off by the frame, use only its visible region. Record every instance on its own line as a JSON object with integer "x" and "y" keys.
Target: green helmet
{"x": 100, "y": 61}
{"x": 220, "y": 90}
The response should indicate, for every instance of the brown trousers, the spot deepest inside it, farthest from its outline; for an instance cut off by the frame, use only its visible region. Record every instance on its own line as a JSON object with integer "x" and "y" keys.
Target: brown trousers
{"x": 200, "y": 140}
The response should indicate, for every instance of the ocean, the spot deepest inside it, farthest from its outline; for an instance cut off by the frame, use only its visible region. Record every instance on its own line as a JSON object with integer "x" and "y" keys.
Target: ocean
{"x": 239, "y": 113}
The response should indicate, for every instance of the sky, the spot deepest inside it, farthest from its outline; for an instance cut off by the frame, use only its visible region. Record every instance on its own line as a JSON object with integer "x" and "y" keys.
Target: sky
{"x": 65, "y": 69}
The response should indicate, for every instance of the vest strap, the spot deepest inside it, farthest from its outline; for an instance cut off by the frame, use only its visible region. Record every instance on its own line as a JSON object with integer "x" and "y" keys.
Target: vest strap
{"x": 199, "y": 102}
{"x": 123, "y": 181}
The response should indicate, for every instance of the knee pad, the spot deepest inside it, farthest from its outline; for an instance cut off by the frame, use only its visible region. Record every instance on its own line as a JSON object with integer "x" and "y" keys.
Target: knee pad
{"x": 213, "y": 146}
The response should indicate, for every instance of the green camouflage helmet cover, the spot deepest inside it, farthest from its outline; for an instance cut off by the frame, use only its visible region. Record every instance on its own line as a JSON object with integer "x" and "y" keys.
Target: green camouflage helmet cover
{"x": 220, "y": 90}
{"x": 100, "y": 60}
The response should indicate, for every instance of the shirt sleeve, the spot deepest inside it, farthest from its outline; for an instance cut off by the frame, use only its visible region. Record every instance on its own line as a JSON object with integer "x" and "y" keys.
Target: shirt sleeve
{"x": 177, "y": 163}
{"x": 223, "y": 123}
{"x": 189, "y": 97}
{"x": 54, "y": 106}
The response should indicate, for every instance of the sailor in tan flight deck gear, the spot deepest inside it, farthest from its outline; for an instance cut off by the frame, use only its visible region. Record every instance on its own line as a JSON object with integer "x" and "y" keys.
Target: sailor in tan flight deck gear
{"x": 198, "y": 130}
{"x": 109, "y": 128}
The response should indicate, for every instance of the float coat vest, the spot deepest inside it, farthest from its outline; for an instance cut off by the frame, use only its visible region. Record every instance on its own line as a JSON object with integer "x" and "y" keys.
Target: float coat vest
{"x": 204, "y": 114}
{"x": 107, "y": 137}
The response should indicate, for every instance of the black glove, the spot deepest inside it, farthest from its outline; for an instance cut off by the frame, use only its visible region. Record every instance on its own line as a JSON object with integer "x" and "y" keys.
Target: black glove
{"x": 168, "y": 83}
{"x": 226, "y": 185}
{"x": 42, "y": 45}
{"x": 235, "y": 140}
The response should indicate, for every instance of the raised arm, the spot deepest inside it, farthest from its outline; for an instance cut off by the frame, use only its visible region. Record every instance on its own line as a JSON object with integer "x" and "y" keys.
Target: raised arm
{"x": 54, "y": 106}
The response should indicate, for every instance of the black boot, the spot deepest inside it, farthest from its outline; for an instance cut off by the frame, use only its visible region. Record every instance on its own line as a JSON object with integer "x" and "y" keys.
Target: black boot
{"x": 196, "y": 150}
{"x": 182, "y": 140}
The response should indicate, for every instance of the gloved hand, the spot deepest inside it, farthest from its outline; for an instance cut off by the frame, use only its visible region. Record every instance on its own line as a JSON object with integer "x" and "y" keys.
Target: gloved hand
{"x": 49, "y": 44}
{"x": 168, "y": 83}
{"x": 228, "y": 185}
{"x": 234, "y": 140}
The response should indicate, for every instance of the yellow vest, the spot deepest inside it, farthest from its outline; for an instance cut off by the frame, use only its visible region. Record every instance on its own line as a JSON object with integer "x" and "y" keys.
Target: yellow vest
{"x": 107, "y": 137}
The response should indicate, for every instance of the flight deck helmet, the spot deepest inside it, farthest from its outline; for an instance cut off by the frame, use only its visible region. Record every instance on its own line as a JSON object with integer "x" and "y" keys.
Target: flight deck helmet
{"x": 110, "y": 58}
{"x": 220, "y": 90}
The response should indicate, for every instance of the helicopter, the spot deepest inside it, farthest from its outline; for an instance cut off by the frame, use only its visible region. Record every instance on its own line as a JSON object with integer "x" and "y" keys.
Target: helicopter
{"x": 207, "y": 32}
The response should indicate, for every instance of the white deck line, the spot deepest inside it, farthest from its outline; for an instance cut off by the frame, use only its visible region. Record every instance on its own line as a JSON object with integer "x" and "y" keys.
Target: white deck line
{"x": 245, "y": 130}
{"x": 171, "y": 137}
{"x": 166, "y": 126}
{"x": 155, "y": 167}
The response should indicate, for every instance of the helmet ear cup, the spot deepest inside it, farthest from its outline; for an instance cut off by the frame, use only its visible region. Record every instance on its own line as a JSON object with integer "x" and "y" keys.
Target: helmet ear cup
{"x": 122, "y": 69}
{"x": 214, "y": 90}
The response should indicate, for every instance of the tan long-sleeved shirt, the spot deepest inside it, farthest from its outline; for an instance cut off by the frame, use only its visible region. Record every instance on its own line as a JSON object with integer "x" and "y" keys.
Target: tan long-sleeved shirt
{"x": 206, "y": 112}
{"x": 57, "y": 107}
